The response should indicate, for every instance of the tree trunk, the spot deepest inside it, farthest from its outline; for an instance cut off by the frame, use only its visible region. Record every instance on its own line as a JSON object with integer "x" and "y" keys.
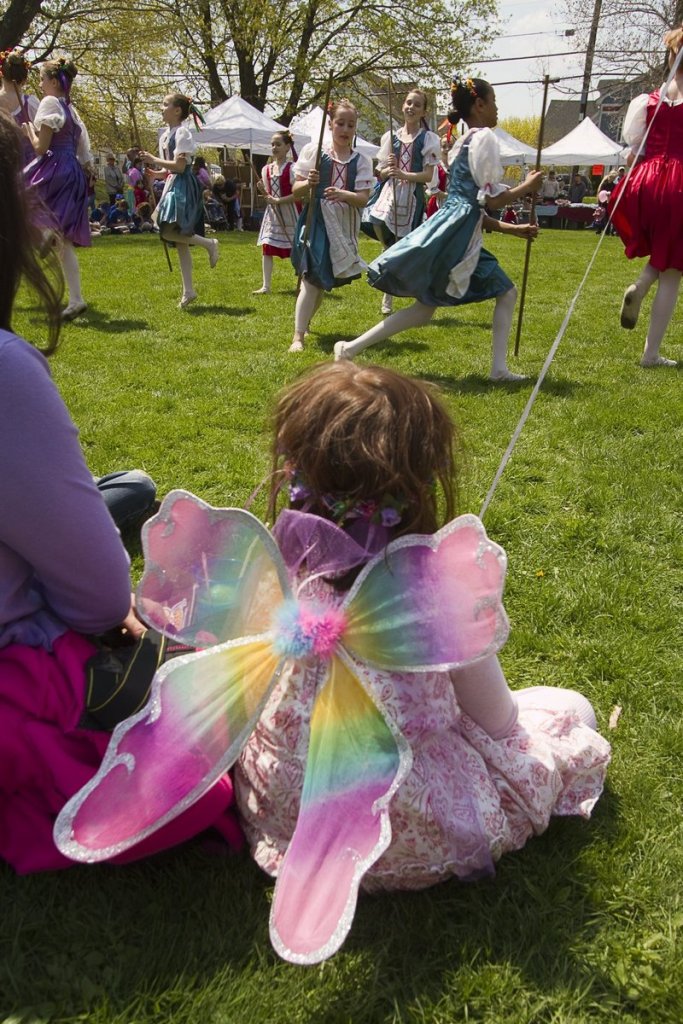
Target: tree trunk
{"x": 16, "y": 20}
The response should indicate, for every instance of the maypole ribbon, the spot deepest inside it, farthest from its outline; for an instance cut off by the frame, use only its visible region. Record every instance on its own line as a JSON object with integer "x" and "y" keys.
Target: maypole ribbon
{"x": 563, "y": 327}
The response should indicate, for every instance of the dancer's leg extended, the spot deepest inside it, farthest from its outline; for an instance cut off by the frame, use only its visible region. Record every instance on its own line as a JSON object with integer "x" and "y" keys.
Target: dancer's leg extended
{"x": 416, "y": 315}
{"x": 634, "y": 295}
{"x": 660, "y": 317}
{"x": 267, "y": 262}
{"x": 185, "y": 261}
{"x": 72, "y": 273}
{"x": 502, "y": 322}
{"x": 307, "y": 304}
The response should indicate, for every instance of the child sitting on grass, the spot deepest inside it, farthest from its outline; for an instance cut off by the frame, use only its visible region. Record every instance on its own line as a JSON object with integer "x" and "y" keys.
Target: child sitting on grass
{"x": 387, "y": 748}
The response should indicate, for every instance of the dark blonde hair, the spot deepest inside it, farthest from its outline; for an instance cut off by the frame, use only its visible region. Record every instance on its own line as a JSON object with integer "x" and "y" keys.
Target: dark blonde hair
{"x": 63, "y": 70}
{"x": 335, "y": 106}
{"x": 362, "y": 432}
{"x": 19, "y": 240}
{"x": 673, "y": 39}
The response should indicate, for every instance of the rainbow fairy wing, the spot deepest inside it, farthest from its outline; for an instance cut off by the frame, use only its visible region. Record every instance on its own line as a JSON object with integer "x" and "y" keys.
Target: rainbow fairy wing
{"x": 430, "y": 603}
{"x": 211, "y": 574}
{"x": 160, "y": 761}
{"x": 355, "y": 764}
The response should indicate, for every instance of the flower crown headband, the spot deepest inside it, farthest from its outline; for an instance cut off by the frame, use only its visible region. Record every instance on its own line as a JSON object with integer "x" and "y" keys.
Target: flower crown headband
{"x": 388, "y": 511}
{"x": 4, "y": 54}
{"x": 464, "y": 83}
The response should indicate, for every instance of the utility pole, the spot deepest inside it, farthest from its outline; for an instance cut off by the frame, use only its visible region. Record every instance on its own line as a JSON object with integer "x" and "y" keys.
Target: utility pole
{"x": 588, "y": 66}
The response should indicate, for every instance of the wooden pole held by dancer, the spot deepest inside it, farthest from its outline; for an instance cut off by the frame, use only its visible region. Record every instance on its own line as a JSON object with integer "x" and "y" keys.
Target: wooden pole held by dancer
{"x": 311, "y": 198}
{"x": 391, "y": 150}
{"x": 532, "y": 215}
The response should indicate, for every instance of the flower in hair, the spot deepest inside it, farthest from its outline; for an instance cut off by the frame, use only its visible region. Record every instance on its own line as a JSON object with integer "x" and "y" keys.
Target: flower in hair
{"x": 465, "y": 83}
{"x": 5, "y": 54}
{"x": 387, "y": 511}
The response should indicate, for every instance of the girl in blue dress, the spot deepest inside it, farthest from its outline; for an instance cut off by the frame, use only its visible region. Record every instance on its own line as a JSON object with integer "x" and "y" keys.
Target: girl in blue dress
{"x": 328, "y": 257}
{"x": 443, "y": 262}
{"x": 180, "y": 213}
{"x": 406, "y": 162}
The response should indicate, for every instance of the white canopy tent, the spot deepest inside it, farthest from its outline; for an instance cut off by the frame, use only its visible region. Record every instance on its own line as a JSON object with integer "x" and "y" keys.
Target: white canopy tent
{"x": 512, "y": 151}
{"x": 237, "y": 124}
{"x": 585, "y": 144}
{"x": 309, "y": 124}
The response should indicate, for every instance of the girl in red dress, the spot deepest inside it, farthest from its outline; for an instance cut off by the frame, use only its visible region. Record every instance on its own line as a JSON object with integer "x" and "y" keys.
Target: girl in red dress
{"x": 649, "y": 217}
{"x": 279, "y": 218}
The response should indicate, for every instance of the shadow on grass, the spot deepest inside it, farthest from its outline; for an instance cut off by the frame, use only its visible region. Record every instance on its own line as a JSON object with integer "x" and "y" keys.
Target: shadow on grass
{"x": 201, "y": 309}
{"x": 114, "y": 936}
{"x": 93, "y": 318}
{"x": 477, "y": 384}
{"x": 454, "y": 321}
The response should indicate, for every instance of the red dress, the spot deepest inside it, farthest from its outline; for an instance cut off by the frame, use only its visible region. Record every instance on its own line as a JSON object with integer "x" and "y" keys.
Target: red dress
{"x": 279, "y": 223}
{"x": 649, "y": 218}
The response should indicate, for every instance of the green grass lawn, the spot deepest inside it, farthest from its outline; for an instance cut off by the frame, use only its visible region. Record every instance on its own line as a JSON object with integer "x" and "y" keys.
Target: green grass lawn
{"x": 584, "y": 924}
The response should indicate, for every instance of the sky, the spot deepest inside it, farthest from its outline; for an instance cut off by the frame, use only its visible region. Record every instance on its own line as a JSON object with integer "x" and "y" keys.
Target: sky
{"x": 531, "y": 28}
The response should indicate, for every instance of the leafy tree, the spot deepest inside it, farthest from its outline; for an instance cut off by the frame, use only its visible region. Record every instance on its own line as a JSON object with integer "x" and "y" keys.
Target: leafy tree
{"x": 279, "y": 51}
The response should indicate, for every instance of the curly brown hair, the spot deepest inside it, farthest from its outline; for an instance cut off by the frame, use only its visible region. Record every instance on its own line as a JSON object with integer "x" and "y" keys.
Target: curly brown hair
{"x": 361, "y": 432}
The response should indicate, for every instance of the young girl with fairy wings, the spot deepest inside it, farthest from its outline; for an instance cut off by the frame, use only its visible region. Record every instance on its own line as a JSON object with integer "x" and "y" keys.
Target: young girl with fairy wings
{"x": 443, "y": 262}
{"x": 351, "y": 665}
{"x": 649, "y": 214}
{"x": 14, "y": 69}
{"x": 180, "y": 213}
{"x": 325, "y": 254}
{"x": 406, "y": 163}
{"x": 57, "y": 177}
{"x": 279, "y": 218}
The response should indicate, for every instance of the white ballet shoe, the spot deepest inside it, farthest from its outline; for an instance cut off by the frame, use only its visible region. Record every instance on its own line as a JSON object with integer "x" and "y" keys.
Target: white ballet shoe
{"x": 186, "y": 300}
{"x": 73, "y": 310}
{"x": 507, "y": 376}
{"x": 296, "y": 346}
{"x": 341, "y": 352}
{"x": 214, "y": 252}
{"x": 387, "y": 304}
{"x": 261, "y": 291}
{"x": 630, "y": 307}
{"x": 648, "y": 362}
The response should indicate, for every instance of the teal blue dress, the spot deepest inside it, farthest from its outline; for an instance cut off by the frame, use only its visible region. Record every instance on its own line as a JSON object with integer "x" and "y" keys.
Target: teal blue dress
{"x": 181, "y": 207}
{"x": 418, "y": 266}
{"x": 312, "y": 258}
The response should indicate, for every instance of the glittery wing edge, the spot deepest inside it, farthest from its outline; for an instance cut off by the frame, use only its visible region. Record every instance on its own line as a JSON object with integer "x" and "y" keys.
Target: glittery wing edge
{"x": 159, "y": 762}
{"x": 430, "y": 603}
{"x": 211, "y": 574}
{"x": 343, "y": 825}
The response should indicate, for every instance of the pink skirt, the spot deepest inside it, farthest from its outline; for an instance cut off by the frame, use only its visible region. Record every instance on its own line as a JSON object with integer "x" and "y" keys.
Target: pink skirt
{"x": 45, "y": 758}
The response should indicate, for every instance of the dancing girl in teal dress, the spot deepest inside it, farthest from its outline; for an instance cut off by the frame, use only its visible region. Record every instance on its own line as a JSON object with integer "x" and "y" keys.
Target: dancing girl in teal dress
{"x": 443, "y": 262}
{"x": 180, "y": 213}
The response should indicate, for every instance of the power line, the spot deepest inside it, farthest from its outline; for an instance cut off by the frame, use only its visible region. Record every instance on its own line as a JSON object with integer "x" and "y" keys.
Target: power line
{"x": 569, "y": 53}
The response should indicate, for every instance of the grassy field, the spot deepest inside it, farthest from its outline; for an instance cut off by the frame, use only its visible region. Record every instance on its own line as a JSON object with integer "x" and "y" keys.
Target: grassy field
{"x": 586, "y": 923}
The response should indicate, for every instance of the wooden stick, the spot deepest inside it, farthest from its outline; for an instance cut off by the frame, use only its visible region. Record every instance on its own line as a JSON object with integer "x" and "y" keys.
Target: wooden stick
{"x": 532, "y": 217}
{"x": 391, "y": 149}
{"x": 312, "y": 196}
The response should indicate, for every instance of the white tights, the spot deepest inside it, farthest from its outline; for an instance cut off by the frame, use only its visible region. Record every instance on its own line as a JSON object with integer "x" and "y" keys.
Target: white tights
{"x": 267, "y": 272}
{"x": 418, "y": 315}
{"x": 307, "y": 304}
{"x": 72, "y": 273}
{"x": 662, "y": 307}
{"x": 185, "y": 259}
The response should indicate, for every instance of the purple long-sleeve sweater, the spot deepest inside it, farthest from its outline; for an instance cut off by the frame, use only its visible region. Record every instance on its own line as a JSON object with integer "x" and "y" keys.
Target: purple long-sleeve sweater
{"x": 62, "y": 563}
